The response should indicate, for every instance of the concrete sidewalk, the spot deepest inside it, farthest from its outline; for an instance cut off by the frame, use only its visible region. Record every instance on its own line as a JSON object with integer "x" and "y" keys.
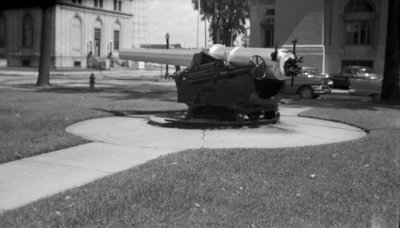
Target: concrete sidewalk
{"x": 120, "y": 143}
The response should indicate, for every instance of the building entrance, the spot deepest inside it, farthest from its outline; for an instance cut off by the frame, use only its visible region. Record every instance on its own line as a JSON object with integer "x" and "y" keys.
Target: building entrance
{"x": 97, "y": 41}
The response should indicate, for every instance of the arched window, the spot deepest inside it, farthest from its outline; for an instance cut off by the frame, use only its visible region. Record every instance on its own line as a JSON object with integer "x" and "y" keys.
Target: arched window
{"x": 359, "y": 19}
{"x": 27, "y": 31}
{"x": 76, "y": 35}
{"x": 2, "y": 32}
{"x": 359, "y": 6}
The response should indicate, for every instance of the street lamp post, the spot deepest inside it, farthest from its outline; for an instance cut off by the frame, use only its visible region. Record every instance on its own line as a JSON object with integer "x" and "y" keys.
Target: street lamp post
{"x": 110, "y": 55}
{"x": 111, "y": 49}
{"x": 91, "y": 54}
{"x": 167, "y": 47}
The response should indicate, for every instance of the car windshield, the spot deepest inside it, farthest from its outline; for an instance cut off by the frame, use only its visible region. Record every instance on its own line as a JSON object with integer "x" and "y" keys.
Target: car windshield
{"x": 311, "y": 72}
{"x": 365, "y": 70}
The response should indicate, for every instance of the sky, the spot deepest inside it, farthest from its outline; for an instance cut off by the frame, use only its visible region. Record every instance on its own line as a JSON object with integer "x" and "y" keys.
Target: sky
{"x": 175, "y": 17}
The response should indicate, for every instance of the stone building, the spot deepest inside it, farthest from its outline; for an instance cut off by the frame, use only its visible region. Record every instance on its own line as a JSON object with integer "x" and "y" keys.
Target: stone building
{"x": 79, "y": 27}
{"x": 331, "y": 34}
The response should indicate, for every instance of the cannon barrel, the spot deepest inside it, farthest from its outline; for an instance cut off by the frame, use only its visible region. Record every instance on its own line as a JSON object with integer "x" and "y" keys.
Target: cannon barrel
{"x": 180, "y": 57}
{"x": 238, "y": 56}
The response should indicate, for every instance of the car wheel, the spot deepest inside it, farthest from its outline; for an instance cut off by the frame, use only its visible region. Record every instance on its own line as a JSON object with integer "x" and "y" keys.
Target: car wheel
{"x": 306, "y": 92}
{"x": 254, "y": 116}
{"x": 376, "y": 97}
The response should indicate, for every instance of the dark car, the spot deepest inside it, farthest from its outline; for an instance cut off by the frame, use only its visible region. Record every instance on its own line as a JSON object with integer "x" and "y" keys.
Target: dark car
{"x": 367, "y": 86}
{"x": 308, "y": 84}
{"x": 342, "y": 80}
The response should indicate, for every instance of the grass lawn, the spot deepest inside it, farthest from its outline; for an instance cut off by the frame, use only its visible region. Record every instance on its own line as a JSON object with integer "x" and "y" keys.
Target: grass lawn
{"x": 33, "y": 121}
{"x": 350, "y": 184}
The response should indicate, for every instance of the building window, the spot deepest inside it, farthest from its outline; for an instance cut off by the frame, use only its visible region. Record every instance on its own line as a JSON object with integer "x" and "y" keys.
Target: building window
{"x": 76, "y": 38}
{"x": 97, "y": 41}
{"x": 357, "y": 6}
{"x": 2, "y": 32}
{"x": 25, "y": 63}
{"x": 358, "y": 33}
{"x": 117, "y": 5}
{"x": 77, "y": 2}
{"x": 269, "y": 12}
{"x": 269, "y": 37}
{"x": 27, "y": 31}
{"x": 116, "y": 39}
{"x": 359, "y": 22}
{"x": 98, "y": 3}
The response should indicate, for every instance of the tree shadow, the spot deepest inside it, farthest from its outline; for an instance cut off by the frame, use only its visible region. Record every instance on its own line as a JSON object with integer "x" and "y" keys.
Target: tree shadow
{"x": 113, "y": 93}
{"x": 347, "y": 102}
{"x": 168, "y": 93}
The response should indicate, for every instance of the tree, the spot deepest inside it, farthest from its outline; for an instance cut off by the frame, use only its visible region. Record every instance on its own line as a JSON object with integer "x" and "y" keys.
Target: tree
{"x": 45, "y": 46}
{"x": 390, "y": 85}
{"x": 227, "y": 18}
{"x": 45, "y": 43}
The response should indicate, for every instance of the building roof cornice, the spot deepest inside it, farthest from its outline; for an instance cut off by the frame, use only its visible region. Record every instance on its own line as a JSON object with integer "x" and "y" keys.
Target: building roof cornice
{"x": 94, "y": 9}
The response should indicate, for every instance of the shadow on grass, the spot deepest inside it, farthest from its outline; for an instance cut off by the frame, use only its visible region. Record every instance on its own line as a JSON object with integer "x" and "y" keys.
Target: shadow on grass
{"x": 169, "y": 94}
{"x": 114, "y": 93}
{"x": 142, "y": 78}
{"x": 344, "y": 102}
{"x": 156, "y": 95}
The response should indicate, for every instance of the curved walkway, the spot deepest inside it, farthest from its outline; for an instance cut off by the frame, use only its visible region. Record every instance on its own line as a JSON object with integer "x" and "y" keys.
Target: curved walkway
{"x": 292, "y": 131}
{"x": 120, "y": 143}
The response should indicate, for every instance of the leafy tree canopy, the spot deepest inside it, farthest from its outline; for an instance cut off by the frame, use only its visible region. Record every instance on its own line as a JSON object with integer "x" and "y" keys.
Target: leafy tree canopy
{"x": 227, "y": 18}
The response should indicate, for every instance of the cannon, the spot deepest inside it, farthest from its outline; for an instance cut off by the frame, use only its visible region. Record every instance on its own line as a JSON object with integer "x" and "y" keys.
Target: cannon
{"x": 236, "y": 85}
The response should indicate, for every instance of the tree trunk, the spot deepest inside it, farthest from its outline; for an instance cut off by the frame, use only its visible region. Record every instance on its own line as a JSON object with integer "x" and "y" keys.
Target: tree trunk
{"x": 45, "y": 47}
{"x": 390, "y": 85}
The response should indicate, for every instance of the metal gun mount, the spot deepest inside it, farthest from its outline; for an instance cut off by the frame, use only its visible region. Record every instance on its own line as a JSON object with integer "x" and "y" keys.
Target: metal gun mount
{"x": 237, "y": 85}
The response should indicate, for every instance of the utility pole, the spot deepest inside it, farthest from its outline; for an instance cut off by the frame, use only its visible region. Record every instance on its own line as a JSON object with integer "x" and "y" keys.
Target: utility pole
{"x": 166, "y": 67}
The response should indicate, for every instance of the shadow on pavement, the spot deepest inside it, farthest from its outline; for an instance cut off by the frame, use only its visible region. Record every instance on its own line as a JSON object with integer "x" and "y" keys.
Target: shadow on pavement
{"x": 137, "y": 112}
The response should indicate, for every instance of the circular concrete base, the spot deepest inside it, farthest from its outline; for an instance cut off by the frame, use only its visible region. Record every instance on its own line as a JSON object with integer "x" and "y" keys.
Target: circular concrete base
{"x": 291, "y": 131}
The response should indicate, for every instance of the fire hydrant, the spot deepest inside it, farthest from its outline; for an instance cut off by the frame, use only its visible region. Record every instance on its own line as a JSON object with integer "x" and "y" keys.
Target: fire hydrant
{"x": 92, "y": 81}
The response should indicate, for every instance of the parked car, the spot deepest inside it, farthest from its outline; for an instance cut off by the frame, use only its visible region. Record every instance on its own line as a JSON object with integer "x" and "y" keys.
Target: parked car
{"x": 368, "y": 86}
{"x": 308, "y": 84}
{"x": 342, "y": 80}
